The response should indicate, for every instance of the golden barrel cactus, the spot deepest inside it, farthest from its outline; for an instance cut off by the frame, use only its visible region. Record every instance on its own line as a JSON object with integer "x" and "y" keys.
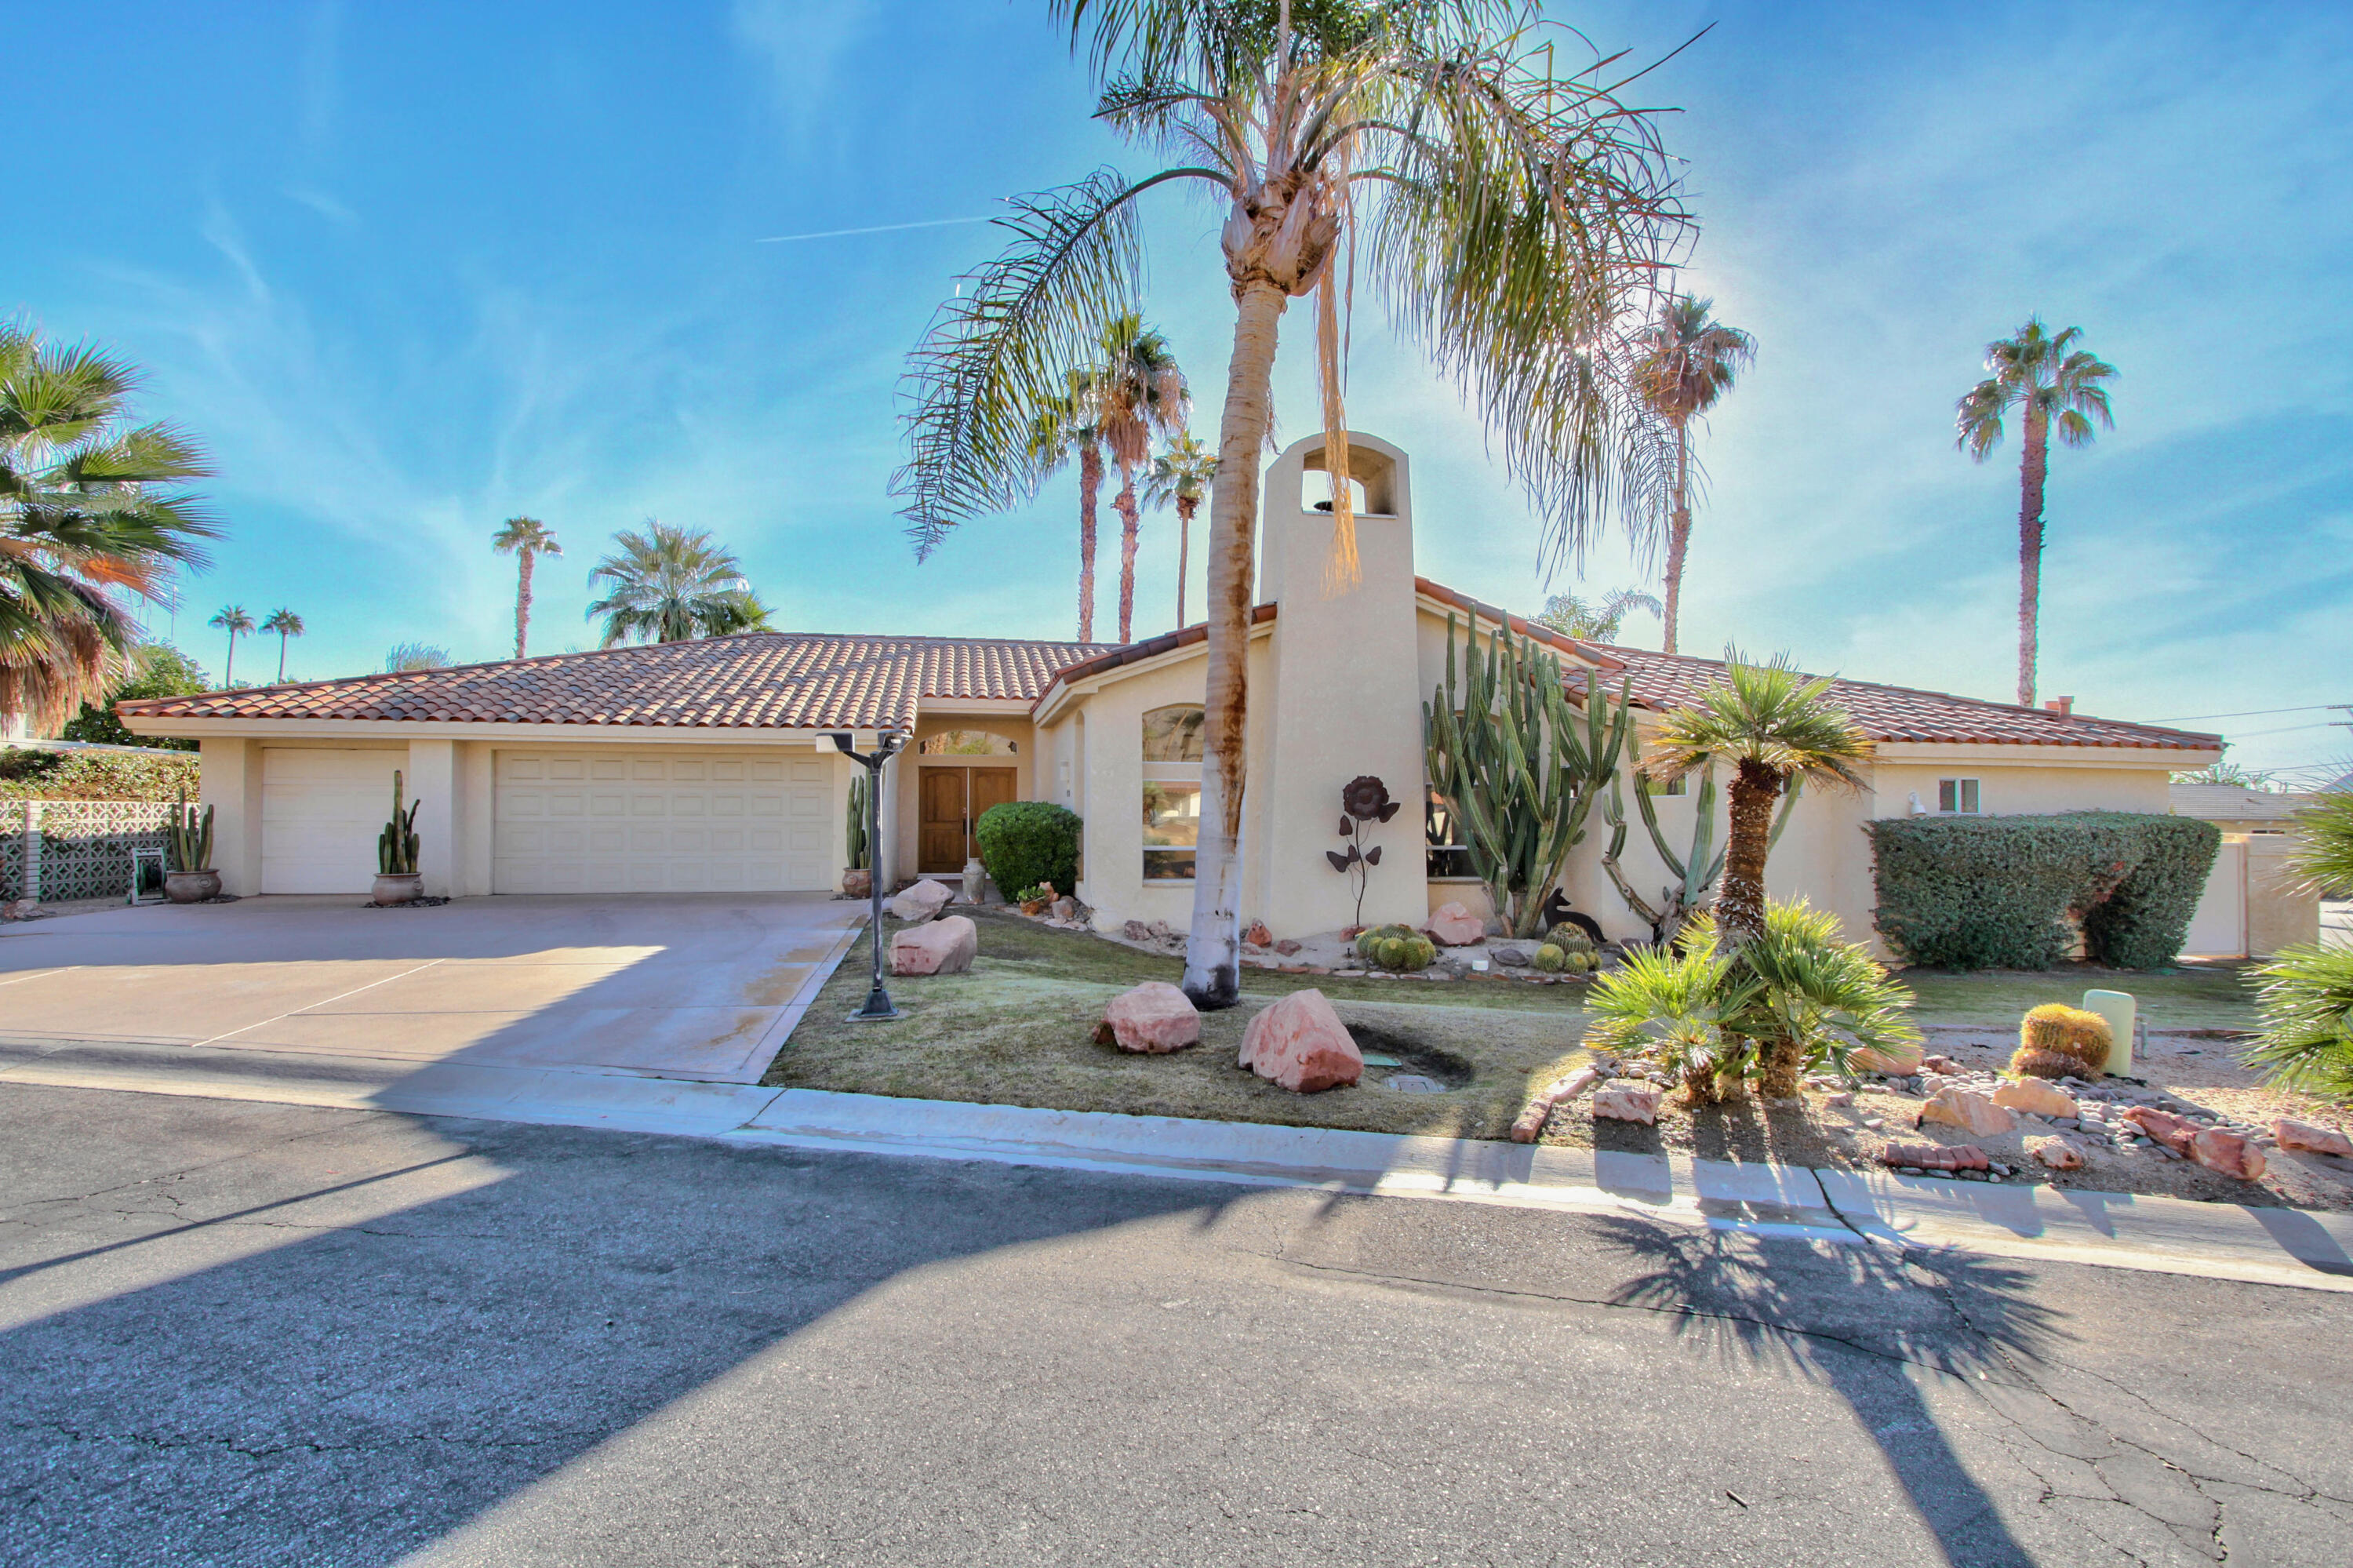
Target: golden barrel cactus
{"x": 2056, "y": 1041}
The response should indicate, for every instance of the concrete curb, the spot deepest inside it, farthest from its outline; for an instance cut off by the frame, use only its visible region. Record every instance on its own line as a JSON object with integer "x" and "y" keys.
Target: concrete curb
{"x": 2260, "y": 1245}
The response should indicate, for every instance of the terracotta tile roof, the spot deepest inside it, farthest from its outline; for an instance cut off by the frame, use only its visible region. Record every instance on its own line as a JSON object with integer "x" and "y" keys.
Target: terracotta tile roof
{"x": 1591, "y": 652}
{"x": 1117, "y": 657}
{"x": 1900, "y": 713}
{"x": 752, "y": 679}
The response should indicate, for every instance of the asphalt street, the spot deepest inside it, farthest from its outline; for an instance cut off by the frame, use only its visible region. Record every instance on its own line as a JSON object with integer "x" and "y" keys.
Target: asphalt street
{"x": 240, "y": 1333}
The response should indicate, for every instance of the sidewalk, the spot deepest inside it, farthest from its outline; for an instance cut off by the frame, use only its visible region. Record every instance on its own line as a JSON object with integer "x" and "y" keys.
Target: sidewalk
{"x": 2262, "y": 1246}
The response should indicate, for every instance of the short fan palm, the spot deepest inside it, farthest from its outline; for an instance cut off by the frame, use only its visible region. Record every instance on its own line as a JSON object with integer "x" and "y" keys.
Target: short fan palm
{"x": 670, "y": 585}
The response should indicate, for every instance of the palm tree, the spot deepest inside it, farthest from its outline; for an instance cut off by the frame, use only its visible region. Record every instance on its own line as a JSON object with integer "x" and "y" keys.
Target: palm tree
{"x": 525, "y": 538}
{"x": 407, "y": 658}
{"x": 286, "y": 623}
{"x": 1772, "y": 726}
{"x": 668, "y": 585}
{"x": 1182, "y": 475}
{"x": 2059, "y": 386}
{"x": 232, "y": 620}
{"x": 1068, "y": 425}
{"x": 1143, "y": 397}
{"x": 91, "y": 509}
{"x": 1599, "y": 620}
{"x": 1684, "y": 361}
{"x": 1510, "y": 216}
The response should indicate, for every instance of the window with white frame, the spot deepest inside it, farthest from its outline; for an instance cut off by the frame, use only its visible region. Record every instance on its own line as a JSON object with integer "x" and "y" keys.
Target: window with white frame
{"x": 1958, "y": 797}
{"x": 1172, "y": 791}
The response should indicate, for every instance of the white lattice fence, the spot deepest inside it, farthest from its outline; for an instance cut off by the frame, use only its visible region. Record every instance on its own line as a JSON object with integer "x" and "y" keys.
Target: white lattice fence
{"x": 61, "y": 850}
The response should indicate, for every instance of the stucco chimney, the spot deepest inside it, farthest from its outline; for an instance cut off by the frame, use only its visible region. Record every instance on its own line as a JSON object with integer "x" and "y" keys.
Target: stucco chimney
{"x": 2063, "y": 706}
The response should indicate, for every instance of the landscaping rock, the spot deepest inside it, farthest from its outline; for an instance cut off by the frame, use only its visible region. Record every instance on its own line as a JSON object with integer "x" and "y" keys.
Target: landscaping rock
{"x": 2035, "y": 1097}
{"x": 935, "y": 947}
{"x": 1155, "y": 1017}
{"x": 1452, "y": 925}
{"x": 2163, "y": 1127}
{"x": 2227, "y": 1154}
{"x": 1896, "y": 1061}
{"x": 20, "y": 909}
{"x": 1511, "y": 958}
{"x": 1136, "y": 931}
{"x": 1258, "y": 936}
{"x": 1626, "y": 1102}
{"x": 1530, "y": 1124}
{"x": 1288, "y": 947}
{"x": 1940, "y": 1064}
{"x": 1300, "y": 1044}
{"x": 2313, "y": 1139}
{"x": 920, "y": 903}
{"x": 1955, "y": 1156}
{"x": 1970, "y": 1111}
{"x": 2055, "y": 1153}
{"x": 1065, "y": 908}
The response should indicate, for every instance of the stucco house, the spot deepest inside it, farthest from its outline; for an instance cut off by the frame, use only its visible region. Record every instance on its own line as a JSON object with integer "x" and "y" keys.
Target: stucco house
{"x": 706, "y": 766}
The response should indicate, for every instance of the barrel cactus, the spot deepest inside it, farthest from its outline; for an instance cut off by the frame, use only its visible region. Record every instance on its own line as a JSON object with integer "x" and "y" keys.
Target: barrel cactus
{"x": 1399, "y": 948}
{"x": 1549, "y": 960}
{"x": 2055, "y": 1041}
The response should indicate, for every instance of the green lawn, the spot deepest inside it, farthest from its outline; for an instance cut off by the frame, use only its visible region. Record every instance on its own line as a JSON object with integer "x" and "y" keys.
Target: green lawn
{"x": 2200, "y": 996}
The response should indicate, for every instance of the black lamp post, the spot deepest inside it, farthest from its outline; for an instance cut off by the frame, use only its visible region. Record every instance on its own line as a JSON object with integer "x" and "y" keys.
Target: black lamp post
{"x": 887, "y": 744}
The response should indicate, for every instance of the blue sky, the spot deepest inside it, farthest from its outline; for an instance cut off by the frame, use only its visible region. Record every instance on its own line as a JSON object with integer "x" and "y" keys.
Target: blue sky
{"x": 411, "y": 269}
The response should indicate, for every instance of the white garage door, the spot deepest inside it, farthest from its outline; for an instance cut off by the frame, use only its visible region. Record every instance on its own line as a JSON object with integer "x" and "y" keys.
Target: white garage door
{"x": 656, "y": 821}
{"x": 320, "y": 814}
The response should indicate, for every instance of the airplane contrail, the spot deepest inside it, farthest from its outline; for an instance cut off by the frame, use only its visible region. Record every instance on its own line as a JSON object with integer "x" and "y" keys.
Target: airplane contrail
{"x": 878, "y": 229}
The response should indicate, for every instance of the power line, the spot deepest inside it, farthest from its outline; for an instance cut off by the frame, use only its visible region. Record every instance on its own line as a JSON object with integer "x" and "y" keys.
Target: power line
{"x": 2252, "y": 713}
{"x": 877, "y": 228}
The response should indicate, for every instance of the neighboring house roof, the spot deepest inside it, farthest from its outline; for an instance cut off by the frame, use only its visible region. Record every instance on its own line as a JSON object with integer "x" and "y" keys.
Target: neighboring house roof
{"x": 2233, "y": 803}
{"x": 1900, "y": 714}
{"x": 751, "y": 679}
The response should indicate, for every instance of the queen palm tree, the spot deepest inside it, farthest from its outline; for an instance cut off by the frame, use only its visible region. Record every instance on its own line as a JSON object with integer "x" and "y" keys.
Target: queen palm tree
{"x": 1510, "y": 215}
{"x": 1684, "y": 361}
{"x": 286, "y": 623}
{"x": 668, "y": 585}
{"x": 1181, "y": 476}
{"x": 525, "y": 538}
{"x": 1070, "y": 425}
{"x": 1143, "y": 397}
{"x": 92, "y": 510}
{"x": 1771, "y": 725}
{"x": 2059, "y": 386}
{"x": 231, "y": 618}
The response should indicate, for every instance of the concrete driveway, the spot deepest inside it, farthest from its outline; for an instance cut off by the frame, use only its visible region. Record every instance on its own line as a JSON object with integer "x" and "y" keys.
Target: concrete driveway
{"x": 701, "y": 986}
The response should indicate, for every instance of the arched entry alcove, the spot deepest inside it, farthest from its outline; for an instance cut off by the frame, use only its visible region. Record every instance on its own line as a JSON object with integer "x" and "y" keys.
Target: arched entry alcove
{"x": 962, "y": 765}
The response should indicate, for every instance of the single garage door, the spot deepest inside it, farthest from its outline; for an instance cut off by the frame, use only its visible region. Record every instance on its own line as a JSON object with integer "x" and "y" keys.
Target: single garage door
{"x": 657, "y": 820}
{"x": 320, "y": 814}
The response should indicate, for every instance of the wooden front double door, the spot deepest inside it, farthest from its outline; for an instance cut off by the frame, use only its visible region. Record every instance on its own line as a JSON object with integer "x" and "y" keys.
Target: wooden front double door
{"x": 953, "y": 800}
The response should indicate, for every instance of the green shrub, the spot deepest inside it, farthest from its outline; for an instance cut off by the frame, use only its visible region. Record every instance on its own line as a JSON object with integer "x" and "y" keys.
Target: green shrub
{"x": 2307, "y": 1039}
{"x": 1970, "y": 892}
{"x": 157, "y": 670}
{"x": 31, "y": 775}
{"x": 1024, "y": 842}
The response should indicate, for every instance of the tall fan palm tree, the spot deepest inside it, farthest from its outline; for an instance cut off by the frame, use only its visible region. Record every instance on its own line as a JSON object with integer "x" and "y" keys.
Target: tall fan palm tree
{"x": 668, "y": 585}
{"x": 231, "y": 618}
{"x": 2059, "y": 387}
{"x": 1684, "y": 361}
{"x": 92, "y": 509}
{"x": 1070, "y": 425}
{"x": 525, "y": 538}
{"x": 1181, "y": 476}
{"x": 286, "y": 623}
{"x": 1143, "y": 397}
{"x": 1510, "y": 215}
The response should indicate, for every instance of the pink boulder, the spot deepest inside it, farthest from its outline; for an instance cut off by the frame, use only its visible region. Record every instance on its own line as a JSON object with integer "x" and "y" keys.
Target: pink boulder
{"x": 1626, "y": 1103}
{"x": 921, "y": 902}
{"x": 2227, "y": 1154}
{"x": 1452, "y": 925}
{"x": 2174, "y": 1132}
{"x": 2055, "y": 1153}
{"x": 935, "y": 947}
{"x": 1300, "y": 1044}
{"x": 1895, "y": 1060}
{"x": 1970, "y": 1111}
{"x": 1153, "y": 1018}
{"x": 1935, "y": 1156}
{"x": 2313, "y": 1139}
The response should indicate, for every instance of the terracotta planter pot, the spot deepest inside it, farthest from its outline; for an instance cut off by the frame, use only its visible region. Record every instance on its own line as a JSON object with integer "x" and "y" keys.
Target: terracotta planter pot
{"x": 191, "y": 886}
{"x": 1035, "y": 906}
{"x": 857, "y": 884}
{"x": 398, "y": 888}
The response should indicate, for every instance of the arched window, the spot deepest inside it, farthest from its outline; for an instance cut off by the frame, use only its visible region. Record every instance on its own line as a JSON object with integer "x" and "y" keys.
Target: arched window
{"x": 1172, "y": 734}
{"x": 966, "y": 743}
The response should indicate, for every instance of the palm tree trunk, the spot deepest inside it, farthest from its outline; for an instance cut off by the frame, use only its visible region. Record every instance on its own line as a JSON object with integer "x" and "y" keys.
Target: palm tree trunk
{"x": 1740, "y": 907}
{"x": 523, "y": 606}
{"x": 1186, "y": 507}
{"x": 1678, "y": 538}
{"x": 1213, "y": 945}
{"x": 2032, "y": 470}
{"x": 281, "y": 658}
{"x": 228, "y": 670}
{"x": 1090, "y": 482}
{"x": 1130, "y": 533}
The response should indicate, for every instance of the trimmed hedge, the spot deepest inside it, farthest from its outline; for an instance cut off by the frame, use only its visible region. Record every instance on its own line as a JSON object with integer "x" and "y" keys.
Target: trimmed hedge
{"x": 1024, "y": 842}
{"x": 1974, "y": 893}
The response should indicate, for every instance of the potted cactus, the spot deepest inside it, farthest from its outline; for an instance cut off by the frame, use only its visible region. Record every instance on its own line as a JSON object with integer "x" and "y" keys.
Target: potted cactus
{"x": 188, "y": 876}
{"x": 396, "y": 877}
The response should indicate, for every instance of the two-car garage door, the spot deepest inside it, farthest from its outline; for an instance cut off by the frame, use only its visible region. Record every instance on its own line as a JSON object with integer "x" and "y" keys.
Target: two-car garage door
{"x": 650, "y": 820}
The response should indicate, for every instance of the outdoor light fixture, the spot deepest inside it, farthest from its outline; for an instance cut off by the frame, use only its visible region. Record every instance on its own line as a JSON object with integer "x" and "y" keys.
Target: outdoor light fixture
{"x": 887, "y": 744}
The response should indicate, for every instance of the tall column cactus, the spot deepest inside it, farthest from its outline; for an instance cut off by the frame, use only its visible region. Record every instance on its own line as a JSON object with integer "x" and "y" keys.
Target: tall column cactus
{"x": 396, "y": 847}
{"x": 856, "y": 847}
{"x": 188, "y": 835}
{"x": 1521, "y": 767}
